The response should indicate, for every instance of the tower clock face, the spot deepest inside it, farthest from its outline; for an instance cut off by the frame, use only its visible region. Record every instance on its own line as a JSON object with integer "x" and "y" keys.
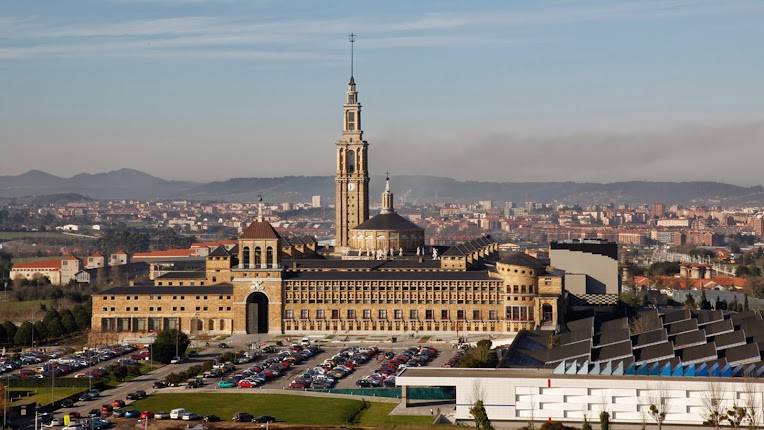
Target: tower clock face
{"x": 351, "y": 186}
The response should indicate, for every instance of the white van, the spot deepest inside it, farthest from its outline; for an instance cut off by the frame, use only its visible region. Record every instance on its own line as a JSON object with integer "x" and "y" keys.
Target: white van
{"x": 305, "y": 341}
{"x": 176, "y": 414}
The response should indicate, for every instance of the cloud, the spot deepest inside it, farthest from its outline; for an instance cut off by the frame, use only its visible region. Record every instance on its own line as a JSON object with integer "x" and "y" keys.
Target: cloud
{"x": 728, "y": 153}
{"x": 34, "y": 37}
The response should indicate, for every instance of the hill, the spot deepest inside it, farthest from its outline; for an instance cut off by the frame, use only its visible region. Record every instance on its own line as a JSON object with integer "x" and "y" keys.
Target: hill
{"x": 133, "y": 184}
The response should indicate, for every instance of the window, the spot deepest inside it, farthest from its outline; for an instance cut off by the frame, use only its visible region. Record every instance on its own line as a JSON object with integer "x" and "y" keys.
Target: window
{"x": 398, "y": 314}
{"x": 383, "y": 314}
{"x": 351, "y": 314}
{"x": 428, "y": 314}
{"x": 269, "y": 257}
{"x": 320, "y": 314}
{"x": 258, "y": 256}
{"x": 335, "y": 314}
{"x": 413, "y": 315}
{"x": 174, "y": 308}
{"x": 367, "y": 314}
{"x": 492, "y": 315}
{"x": 444, "y": 314}
{"x": 135, "y": 308}
{"x": 476, "y": 314}
{"x": 228, "y": 308}
{"x": 460, "y": 314}
{"x": 303, "y": 314}
{"x": 198, "y": 308}
{"x": 245, "y": 257}
{"x": 204, "y": 308}
{"x": 159, "y": 309}
{"x": 288, "y": 314}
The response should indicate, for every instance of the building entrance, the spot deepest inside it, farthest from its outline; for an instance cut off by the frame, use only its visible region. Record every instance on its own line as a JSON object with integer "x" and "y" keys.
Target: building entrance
{"x": 257, "y": 313}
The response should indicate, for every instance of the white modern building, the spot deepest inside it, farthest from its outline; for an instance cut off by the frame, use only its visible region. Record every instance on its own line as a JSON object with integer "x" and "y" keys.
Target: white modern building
{"x": 542, "y": 394}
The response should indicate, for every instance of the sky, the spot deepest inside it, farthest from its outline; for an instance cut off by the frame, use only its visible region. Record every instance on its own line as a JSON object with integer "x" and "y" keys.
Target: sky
{"x": 511, "y": 90}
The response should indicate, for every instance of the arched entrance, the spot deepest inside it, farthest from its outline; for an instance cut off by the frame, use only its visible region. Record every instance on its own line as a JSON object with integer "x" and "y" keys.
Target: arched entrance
{"x": 257, "y": 313}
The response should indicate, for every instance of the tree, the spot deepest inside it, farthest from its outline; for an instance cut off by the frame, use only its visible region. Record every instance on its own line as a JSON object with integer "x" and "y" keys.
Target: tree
{"x": 40, "y": 331}
{"x": 712, "y": 403}
{"x": 82, "y": 317}
{"x": 68, "y": 321}
{"x": 164, "y": 346}
{"x": 10, "y": 330}
{"x": 659, "y": 405}
{"x": 586, "y": 425}
{"x": 54, "y": 327}
{"x": 604, "y": 420}
{"x": 704, "y": 302}
{"x": 24, "y": 335}
{"x": 689, "y": 302}
{"x": 478, "y": 413}
{"x": 753, "y": 411}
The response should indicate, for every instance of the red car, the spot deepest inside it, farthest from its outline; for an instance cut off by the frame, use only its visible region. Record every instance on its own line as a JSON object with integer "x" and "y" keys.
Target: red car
{"x": 297, "y": 385}
{"x": 146, "y": 415}
{"x": 245, "y": 384}
{"x": 118, "y": 404}
{"x": 106, "y": 409}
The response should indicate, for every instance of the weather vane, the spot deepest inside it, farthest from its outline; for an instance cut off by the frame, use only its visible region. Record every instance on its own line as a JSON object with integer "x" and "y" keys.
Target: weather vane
{"x": 351, "y": 39}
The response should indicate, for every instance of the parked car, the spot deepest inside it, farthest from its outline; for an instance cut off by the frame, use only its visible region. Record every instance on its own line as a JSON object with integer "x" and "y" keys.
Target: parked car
{"x": 67, "y": 403}
{"x": 263, "y": 419}
{"x": 190, "y": 416}
{"x": 146, "y": 415}
{"x": 161, "y": 415}
{"x": 175, "y": 414}
{"x": 132, "y": 413}
{"x": 211, "y": 418}
{"x": 159, "y": 384}
{"x": 226, "y": 383}
{"x": 242, "y": 417}
{"x": 118, "y": 404}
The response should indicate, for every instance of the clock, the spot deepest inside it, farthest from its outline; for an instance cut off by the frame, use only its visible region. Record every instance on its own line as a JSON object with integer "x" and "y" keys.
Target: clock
{"x": 351, "y": 186}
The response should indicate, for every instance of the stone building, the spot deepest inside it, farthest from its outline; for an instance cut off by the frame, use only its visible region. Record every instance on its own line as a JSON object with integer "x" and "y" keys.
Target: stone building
{"x": 268, "y": 283}
{"x": 387, "y": 231}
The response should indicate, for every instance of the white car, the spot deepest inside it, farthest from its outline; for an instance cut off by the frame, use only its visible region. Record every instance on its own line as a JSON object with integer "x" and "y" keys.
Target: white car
{"x": 176, "y": 414}
{"x": 74, "y": 426}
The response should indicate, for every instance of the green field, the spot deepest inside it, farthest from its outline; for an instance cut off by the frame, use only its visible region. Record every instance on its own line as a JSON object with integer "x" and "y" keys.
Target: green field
{"x": 25, "y": 306}
{"x": 12, "y": 235}
{"x": 43, "y": 396}
{"x": 286, "y": 408}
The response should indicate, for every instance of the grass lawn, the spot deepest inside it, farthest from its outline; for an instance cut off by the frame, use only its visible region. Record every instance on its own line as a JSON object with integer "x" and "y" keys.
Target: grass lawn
{"x": 43, "y": 395}
{"x": 377, "y": 415}
{"x": 12, "y": 235}
{"x": 286, "y": 408}
{"x": 26, "y": 306}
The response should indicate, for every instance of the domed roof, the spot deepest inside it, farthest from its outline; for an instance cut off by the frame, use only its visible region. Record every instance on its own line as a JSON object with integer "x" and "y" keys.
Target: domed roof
{"x": 388, "y": 222}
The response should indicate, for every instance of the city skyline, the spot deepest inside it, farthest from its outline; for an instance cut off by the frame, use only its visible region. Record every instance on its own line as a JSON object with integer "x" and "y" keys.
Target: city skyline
{"x": 657, "y": 90}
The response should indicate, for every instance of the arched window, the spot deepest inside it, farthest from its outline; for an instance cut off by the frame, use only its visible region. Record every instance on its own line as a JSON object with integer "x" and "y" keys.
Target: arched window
{"x": 210, "y": 325}
{"x": 269, "y": 257}
{"x": 258, "y": 256}
{"x": 350, "y": 161}
{"x": 245, "y": 257}
{"x": 350, "y": 120}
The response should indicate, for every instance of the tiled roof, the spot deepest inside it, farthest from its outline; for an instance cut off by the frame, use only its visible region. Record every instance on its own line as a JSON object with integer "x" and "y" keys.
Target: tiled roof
{"x": 51, "y": 264}
{"x": 259, "y": 230}
{"x": 164, "y": 253}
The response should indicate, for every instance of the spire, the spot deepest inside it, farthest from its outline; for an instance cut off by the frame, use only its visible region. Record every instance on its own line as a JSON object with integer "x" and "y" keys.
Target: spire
{"x": 387, "y": 197}
{"x": 351, "y": 39}
{"x": 260, "y": 208}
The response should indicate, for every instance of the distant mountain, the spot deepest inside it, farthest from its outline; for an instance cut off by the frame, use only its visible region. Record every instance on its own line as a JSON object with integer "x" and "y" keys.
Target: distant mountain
{"x": 128, "y": 183}
{"x": 117, "y": 184}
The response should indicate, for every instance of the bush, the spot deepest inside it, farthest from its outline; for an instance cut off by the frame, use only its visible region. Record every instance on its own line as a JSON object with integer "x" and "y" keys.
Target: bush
{"x": 169, "y": 343}
{"x": 481, "y": 416}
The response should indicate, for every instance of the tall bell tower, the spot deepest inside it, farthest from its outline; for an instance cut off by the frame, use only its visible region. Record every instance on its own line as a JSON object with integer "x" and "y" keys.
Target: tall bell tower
{"x": 352, "y": 179}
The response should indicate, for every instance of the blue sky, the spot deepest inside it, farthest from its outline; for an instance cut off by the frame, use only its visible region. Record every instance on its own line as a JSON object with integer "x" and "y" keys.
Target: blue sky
{"x": 491, "y": 90}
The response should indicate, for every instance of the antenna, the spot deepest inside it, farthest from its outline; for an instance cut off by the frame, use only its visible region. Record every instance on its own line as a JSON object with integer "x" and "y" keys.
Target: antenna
{"x": 351, "y": 39}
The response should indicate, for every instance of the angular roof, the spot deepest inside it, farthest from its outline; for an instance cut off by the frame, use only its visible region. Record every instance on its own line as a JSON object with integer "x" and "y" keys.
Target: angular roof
{"x": 522, "y": 259}
{"x": 259, "y": 230}
{"x": 220, "y": 251}
{"x": 391, "y": 221}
